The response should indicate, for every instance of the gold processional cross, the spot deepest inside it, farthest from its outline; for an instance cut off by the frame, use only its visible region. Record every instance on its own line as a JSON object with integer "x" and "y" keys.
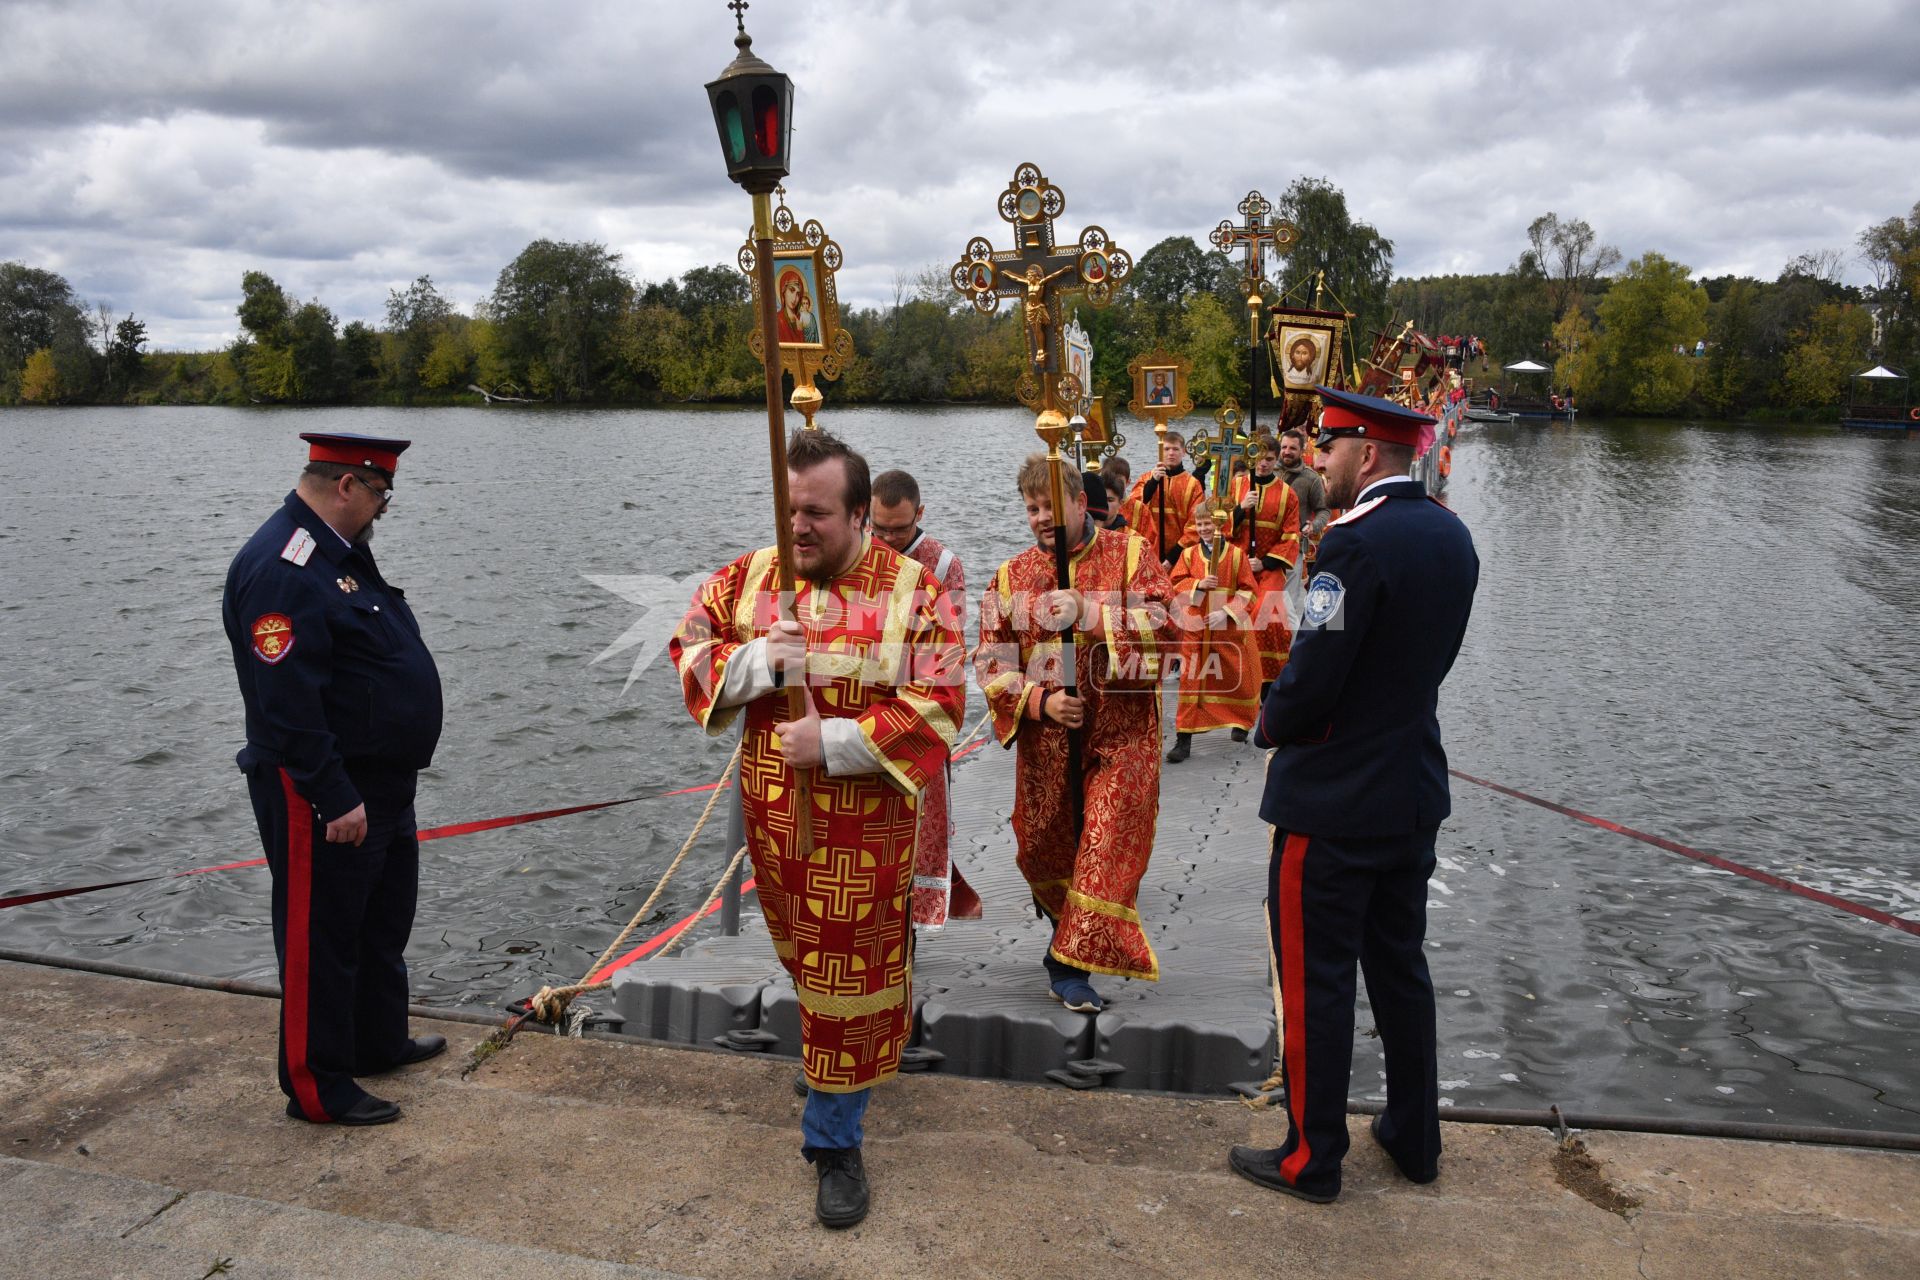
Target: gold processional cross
{"x": 1040, "y": 273}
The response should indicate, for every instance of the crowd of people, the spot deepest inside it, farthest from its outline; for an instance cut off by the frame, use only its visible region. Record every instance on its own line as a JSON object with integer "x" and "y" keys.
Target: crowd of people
{"x": 1317, "y": 636}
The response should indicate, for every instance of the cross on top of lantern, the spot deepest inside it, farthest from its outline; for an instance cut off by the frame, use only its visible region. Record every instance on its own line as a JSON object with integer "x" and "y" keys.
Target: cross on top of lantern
{"x": 1039, "y": 273}
{"x": 753, "y": 110}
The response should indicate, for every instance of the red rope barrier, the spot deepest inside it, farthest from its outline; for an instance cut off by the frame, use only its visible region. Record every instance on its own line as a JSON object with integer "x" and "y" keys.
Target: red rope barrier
{"x": 430, "y": 833}
{"x": 1821, "y": 896}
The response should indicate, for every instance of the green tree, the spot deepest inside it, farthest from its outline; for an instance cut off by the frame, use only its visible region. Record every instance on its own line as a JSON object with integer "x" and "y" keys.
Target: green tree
{"x": 264, "y": 310}
{"x": 1652, "y": 309}
{"x": 1734, "y": 379}
{"x": 124, "y": 357}
{"x": 416, "y": 317}
{"x": 1212, "y": 337}
{"x": 1830, "y": 350}
{"x": 1171, "y": 272}
{"x": 1357, "y": 260}
{"x": 557, "y": 306}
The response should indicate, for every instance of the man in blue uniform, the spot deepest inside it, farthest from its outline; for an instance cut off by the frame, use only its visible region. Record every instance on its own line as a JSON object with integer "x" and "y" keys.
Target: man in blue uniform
{"x": 343, "y": 711}
{"x": 1356, "y": 792}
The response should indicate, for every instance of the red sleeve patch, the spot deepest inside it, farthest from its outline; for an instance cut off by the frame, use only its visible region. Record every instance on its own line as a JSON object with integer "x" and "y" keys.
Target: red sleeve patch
{"x": 272, "y": 637}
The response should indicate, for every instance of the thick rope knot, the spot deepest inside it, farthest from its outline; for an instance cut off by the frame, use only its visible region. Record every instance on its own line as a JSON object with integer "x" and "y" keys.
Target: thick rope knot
{"x": 549, "y": 1004}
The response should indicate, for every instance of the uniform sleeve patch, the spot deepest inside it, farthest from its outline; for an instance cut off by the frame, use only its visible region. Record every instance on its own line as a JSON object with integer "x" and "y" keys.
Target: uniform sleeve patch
{"x": 272, "y": 637}
{"x": 1324, "y": 595}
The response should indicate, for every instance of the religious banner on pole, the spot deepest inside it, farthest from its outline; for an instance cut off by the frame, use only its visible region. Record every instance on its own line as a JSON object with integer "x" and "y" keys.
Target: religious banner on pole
{"x": 806, "y": 305}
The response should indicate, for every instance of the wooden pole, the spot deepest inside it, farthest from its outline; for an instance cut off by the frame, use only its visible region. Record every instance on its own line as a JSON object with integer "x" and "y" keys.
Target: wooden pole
{"x": 782, "y": 503}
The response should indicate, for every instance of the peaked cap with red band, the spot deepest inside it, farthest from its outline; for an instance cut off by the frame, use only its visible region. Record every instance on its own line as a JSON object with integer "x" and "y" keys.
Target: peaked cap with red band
{"x": 1350, "y": 414}
{"x": 350, "y": 450}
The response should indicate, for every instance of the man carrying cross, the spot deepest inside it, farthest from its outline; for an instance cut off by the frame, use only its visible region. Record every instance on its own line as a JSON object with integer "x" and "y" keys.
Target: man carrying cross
{"x": 1167, "y": 496}
{"x": 1083, "y": 841}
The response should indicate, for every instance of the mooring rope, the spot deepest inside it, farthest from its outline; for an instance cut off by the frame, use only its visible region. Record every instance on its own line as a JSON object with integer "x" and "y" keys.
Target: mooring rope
{"x": 549, "y": 1004}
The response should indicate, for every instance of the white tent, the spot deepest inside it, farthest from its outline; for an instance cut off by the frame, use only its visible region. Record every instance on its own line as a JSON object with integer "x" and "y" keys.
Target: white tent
{"x": 1878, "y": 371}
{"x": 1526, "y": 366}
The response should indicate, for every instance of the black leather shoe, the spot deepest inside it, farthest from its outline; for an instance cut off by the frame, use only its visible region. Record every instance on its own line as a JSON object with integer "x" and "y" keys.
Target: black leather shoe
{"x": 418, "y": 1049}
{"x": 369, "y": 1110}
{"x": 842, "y": 1198}
{"x": 1257, "y": 1164}
{"x": 1181, "y": 750}
{"x": 1422, "y": 1179}
{"x": 1238, "y": 735}
{"x": 799, "y": 1084}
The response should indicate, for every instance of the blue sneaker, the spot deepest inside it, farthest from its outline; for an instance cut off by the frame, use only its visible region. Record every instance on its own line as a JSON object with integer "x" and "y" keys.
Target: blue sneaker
{"x": 1077, "y": 994}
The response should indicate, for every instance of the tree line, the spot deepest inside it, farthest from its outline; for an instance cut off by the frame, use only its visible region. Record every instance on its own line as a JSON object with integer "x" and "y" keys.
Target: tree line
{"x": 566, "y": 324}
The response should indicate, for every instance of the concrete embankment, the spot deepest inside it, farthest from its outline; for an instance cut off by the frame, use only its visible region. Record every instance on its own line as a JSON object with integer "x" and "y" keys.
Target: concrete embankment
{"x": 141, "y": 1135}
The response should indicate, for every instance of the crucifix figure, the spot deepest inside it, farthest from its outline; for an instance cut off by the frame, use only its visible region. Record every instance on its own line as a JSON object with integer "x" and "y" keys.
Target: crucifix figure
{"x": 1039, "y": 273}
{"x": 1254, "y": 235}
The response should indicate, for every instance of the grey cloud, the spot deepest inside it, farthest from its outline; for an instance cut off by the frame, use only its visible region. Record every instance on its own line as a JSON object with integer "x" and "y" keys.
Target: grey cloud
{"x": 348, "y": 147}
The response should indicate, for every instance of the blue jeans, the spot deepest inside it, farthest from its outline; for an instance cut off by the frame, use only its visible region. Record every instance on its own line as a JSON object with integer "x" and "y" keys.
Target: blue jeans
{"x": 832, "y": 1121}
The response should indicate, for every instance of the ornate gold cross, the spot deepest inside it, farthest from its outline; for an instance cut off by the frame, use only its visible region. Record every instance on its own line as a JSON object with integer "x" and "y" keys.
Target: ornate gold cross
{"x": 1256, "y": 235}
{"x": 1039, "y": 273}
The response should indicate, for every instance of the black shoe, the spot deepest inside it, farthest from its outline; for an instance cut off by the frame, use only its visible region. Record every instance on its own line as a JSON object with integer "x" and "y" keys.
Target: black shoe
{"x": 842, "y": 1198}
{"x": 368, "y": 1110}
{"x": 1238, "y": 735}
{"x": 1257, "y": 1164}
{"x": 799, "y": 1084}
{"x": 1182, "y": 748}
{"x": 418, "y": 1049}
{"x": 1422, "y": 1179}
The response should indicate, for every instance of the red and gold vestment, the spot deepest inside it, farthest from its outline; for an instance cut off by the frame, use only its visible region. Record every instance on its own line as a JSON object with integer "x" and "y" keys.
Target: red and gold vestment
{"x": 1273, "y": 530}
{"x": 939, "y": 890}
{"x": 879, "y": 653}
{"x": 1087, "y": 881}
{"x": 1219, "y": 666}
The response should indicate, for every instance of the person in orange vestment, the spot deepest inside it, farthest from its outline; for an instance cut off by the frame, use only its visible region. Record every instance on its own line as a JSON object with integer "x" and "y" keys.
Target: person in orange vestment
{"x": 868, "y": 642}
{"x": 940, "y": 892}
{"x": 1219, "y": 654}
{"x": 1085, "y": 875}
{"x": 1167, "y": 496}
{"x": 1266, "y": 520}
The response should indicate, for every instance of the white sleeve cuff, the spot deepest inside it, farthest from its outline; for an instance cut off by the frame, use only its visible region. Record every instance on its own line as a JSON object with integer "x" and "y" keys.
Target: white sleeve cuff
{"x": 846, "y": 749}
{"x": 748, "y": 675}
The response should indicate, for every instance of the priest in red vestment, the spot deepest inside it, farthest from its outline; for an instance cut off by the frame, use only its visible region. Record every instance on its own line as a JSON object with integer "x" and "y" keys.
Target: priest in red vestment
{"x": 1219, "y": 657}
{"x": 1085, "y": 876}
{"x": 882, "y": 671}
{"x": 940, "y": 892}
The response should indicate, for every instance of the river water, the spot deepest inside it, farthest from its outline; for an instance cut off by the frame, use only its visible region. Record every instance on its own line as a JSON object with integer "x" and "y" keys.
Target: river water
{"x": 1707, "y": 633}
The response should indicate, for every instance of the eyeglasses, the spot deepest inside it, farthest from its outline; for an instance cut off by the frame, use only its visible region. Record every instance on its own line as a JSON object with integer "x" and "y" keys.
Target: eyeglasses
{"x": 385, "y": 495}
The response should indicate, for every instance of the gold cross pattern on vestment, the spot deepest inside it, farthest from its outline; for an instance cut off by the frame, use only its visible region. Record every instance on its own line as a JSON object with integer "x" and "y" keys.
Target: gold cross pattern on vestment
{"x": 1040, "y": 273}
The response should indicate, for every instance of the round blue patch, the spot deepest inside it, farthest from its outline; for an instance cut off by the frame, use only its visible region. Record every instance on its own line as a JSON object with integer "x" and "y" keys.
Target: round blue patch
{"x": 1324, "y": 595}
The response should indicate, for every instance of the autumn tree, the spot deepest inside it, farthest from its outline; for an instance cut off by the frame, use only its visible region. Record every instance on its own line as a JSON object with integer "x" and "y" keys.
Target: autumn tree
{"x": 40, "y": 379}
{"x": 1828, "y": 351}
{"x": 39, "y": 312}
{"x": 1652, "y": 309}
{"x": 417, "y": 317}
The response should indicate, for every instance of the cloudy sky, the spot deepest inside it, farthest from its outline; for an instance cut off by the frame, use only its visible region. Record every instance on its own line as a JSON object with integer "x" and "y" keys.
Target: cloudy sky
{"x": 152, "y": 153}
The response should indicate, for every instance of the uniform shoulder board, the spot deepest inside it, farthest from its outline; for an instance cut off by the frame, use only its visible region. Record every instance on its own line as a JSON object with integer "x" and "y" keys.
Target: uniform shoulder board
{"x": 1358, "y": 512}
{"x": 299, "y": 548}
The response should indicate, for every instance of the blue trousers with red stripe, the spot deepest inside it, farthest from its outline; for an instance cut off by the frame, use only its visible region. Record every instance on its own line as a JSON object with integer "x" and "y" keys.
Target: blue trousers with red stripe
{"x": 341, "y": 917}
{"x": 1333, "y": 902}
